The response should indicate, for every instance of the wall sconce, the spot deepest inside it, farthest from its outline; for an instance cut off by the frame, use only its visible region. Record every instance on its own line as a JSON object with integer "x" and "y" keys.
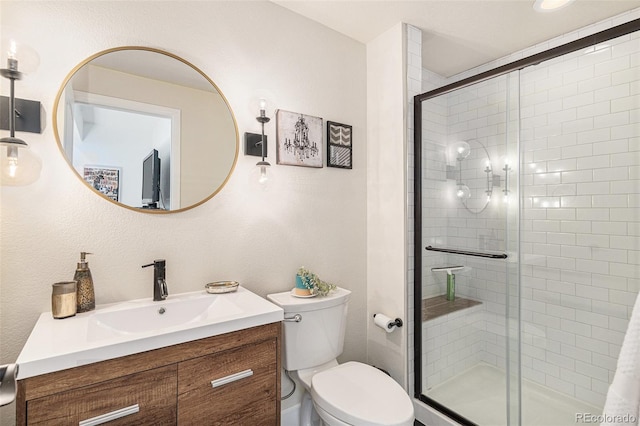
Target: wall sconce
{"x": 256, "y": 144}
{"x": 462, "y": 191}
{"x": 18, "y": 165}
{"x": 461, "y": 150}
{"x": 458, "y": 152}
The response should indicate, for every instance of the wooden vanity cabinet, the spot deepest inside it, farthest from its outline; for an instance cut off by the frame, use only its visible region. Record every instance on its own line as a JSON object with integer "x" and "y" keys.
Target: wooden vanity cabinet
{"x": 243, "y": 392}
{"x": 229, "y": 379}
{"x": 148, "y": 396}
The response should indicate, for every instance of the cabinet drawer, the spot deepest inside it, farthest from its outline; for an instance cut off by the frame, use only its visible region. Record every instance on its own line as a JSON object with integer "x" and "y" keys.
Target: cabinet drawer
{"x": 153, "y": 391}
{"x": 244, "y": 388}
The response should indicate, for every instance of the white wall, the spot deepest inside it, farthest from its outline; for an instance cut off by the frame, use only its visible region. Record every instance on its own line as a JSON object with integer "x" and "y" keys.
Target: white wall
{"x": 386, "y": 199}
{"x": 310, "y": 217}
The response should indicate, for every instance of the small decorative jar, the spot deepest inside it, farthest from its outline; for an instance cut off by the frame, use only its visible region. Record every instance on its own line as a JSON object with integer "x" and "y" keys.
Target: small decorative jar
{"x": 63, "y": 299}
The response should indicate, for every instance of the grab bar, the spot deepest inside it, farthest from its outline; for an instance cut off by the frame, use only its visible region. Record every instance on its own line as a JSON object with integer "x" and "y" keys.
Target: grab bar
{"x": 468, "y": 253}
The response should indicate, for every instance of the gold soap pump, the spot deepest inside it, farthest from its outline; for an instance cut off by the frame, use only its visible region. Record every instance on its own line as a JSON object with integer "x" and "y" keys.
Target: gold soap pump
{"x": 85, "y": 299}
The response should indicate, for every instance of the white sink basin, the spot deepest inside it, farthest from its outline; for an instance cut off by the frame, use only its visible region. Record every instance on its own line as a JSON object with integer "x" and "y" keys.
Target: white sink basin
{"x": 148, "y": 316}
{"x": 125, "y": 328}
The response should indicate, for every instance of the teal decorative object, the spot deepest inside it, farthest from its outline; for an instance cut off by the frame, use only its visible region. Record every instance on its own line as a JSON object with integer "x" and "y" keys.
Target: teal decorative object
{"x": 302, "y": 288}
{"x": 307, "y": 280}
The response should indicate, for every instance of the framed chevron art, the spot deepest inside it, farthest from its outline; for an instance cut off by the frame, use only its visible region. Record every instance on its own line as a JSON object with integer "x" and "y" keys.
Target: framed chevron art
{"x": 339, "y": 147}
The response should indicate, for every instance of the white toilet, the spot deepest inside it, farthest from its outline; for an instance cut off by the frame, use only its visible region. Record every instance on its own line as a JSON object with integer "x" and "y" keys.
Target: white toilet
{"x": 340, "y": 394}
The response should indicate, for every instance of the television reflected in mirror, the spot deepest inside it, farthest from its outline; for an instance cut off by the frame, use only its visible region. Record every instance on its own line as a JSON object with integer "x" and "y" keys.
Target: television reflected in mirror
{"x": 151, "y": 191}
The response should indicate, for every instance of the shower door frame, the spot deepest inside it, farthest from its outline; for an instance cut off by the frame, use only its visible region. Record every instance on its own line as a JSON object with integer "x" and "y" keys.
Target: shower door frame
{"x": 582, "y": 43}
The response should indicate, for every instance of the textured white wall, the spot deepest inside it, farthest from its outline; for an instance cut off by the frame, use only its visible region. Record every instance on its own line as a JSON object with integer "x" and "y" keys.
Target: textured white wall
{"x": 386, "y": 199}
{"x": 310, "y": 217}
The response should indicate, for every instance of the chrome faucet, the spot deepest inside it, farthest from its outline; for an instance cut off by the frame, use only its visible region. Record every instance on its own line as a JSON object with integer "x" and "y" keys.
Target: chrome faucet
{"x": 160, "y": 291}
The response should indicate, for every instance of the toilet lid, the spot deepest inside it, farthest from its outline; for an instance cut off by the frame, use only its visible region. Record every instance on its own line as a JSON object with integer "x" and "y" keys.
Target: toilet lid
{"x": 360, "y": 394}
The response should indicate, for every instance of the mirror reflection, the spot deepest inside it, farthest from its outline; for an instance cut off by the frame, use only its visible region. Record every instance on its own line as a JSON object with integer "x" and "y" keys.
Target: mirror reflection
{"x": 146, "y": 129}
{"x": 471, "y": 169}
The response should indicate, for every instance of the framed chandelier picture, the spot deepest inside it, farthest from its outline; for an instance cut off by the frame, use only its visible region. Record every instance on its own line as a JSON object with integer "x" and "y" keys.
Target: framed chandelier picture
{"x": 298, "y": 139}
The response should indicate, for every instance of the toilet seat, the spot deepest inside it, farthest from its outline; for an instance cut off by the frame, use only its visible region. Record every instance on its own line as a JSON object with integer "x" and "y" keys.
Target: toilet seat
{"x": 359, "y": 394}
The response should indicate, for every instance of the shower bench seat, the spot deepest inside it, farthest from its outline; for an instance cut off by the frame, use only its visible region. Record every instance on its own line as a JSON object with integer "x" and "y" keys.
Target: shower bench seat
{"x": 438, "y": 306}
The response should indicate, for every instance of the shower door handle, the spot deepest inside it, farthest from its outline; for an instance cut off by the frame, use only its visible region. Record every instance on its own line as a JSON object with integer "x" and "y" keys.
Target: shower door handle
{"x": 468, "y": 253}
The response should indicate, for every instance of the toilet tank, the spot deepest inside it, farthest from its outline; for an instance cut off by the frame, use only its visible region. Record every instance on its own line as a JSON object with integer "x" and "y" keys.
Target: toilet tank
{"x": 319, "y": 337}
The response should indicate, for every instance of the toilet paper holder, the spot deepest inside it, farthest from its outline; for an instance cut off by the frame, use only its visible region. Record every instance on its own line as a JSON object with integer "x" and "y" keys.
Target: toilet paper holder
{"x": 396, "y": 323}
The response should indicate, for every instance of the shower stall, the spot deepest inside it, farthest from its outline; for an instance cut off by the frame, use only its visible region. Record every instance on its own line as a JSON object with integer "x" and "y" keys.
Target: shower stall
{"x": 527, "y": 233}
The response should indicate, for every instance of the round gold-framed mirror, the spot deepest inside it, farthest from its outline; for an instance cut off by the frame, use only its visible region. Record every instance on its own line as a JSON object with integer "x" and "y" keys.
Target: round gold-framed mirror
{"x": 146, "y": 130}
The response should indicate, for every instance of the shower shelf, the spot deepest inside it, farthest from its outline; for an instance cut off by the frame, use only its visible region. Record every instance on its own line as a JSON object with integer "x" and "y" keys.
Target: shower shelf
{"x": 438, "y": 306}
{"x": 468, "y": 253}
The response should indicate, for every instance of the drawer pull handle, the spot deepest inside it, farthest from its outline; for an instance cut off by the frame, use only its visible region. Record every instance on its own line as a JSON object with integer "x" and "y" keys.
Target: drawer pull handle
{"x": 104, "y": 418}
{"x": 231, "y": 378}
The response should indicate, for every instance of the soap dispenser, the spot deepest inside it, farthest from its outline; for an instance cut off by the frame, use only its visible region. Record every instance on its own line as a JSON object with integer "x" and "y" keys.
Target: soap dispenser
{"x": 85, "y": 298}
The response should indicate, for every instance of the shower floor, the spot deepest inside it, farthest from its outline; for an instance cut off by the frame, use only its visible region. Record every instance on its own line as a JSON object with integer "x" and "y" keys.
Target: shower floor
{"x": 479, "y": 395}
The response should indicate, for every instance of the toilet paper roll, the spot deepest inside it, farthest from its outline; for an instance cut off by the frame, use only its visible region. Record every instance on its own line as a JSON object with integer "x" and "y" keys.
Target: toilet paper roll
{"x": 384, "y": 322}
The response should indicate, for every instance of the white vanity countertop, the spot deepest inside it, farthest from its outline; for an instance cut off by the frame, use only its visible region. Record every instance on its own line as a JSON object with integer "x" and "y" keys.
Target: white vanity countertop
{"x": 124, "y": 328}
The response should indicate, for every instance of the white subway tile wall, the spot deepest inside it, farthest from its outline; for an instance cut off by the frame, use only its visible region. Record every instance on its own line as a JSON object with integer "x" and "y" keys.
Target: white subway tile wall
{"x": 580, "y": 217}
{"x": 452, "y": 343}
{"x": 580, "y": 292}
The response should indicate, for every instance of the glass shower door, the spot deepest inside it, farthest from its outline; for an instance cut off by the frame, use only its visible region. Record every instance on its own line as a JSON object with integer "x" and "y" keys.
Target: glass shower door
{"x": 580, "y": 272}
{"x": 470, "y": 265}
